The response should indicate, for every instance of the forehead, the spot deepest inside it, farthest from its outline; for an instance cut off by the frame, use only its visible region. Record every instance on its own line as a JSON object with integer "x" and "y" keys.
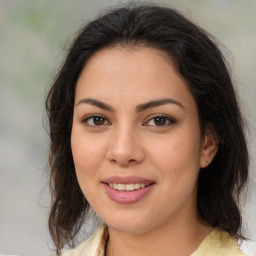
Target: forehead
{"x": 136, "y": 74}
{"x": 128, "y": 61}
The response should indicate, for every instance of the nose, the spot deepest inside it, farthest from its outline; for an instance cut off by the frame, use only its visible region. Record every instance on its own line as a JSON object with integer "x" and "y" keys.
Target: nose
{"x": 125, "y": 148}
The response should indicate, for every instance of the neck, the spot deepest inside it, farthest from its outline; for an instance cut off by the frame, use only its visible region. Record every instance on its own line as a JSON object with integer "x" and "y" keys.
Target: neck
{"x": 179, "y": 238}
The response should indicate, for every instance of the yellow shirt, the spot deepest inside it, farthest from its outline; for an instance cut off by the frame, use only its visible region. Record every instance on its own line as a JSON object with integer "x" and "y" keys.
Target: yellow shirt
{"x": 217, "y": 243}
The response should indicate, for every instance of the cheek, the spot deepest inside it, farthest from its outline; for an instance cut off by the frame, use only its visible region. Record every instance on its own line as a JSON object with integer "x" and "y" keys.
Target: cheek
{"x": 177, "y": 159}
{"x": 178, "y": 151}
{"x": 178, "y": 165}
{"x": 87, "y": 155}
{"x": 86, "y": 149}
{"x": 85, "y": 166}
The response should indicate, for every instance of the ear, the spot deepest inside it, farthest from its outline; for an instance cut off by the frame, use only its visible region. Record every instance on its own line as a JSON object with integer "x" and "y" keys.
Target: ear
{"x": 209, "y": 146}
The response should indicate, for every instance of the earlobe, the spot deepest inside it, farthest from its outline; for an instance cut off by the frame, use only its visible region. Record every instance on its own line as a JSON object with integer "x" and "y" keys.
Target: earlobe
{"x": 209, "y": 147}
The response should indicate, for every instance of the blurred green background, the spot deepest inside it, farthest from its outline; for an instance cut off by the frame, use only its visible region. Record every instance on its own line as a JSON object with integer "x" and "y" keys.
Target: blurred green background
{"x": 33, "y": 35}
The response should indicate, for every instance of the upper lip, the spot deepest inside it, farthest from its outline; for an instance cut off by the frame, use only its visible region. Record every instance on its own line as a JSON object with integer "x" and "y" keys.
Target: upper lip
{"x": 127, "y": 180}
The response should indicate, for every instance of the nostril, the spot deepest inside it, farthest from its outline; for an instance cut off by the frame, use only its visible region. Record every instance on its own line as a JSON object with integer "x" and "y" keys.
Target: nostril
{"x": 131, "y": 161}
{"x": 113, "y": 161}
{"x": 123, "y": 163}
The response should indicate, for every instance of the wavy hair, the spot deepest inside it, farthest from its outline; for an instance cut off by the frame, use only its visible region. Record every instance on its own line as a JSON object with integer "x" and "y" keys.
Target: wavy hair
{"x": 200, "y": 62}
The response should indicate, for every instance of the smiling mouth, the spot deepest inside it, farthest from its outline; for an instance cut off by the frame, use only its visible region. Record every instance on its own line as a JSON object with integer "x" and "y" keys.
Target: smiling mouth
{"x": 128, "y": 187}
{"x": 127, "y": 190}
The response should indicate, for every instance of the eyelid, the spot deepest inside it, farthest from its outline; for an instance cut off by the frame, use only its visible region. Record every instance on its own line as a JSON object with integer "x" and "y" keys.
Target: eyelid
{"x": 169, "y": 118}
{"x": 86, "y": 118}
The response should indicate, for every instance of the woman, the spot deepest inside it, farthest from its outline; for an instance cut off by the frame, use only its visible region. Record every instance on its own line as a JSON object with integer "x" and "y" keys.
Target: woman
{"x": 145, "y": 128}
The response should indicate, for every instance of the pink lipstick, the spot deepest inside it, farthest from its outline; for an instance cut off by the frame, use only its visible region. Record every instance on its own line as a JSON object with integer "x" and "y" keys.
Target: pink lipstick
{"x": 127, "y": 190}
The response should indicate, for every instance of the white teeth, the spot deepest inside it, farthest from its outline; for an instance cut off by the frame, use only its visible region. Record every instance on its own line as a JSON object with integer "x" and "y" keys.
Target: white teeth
{"x": 127, "y": 187}
{"x": 137, "y": 185}
{"x": 121, "y": 186}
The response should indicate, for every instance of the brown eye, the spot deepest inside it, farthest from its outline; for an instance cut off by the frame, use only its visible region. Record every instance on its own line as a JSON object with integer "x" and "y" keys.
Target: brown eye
{"x": 160, "y": 120}
{"x": 95, "y": 121}
{"x": 98, "y": 120}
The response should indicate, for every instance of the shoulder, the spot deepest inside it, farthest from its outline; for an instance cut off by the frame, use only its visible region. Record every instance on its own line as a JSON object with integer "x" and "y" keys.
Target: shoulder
{"x": 94, "y": 246}
{"x": 221, "y": 243}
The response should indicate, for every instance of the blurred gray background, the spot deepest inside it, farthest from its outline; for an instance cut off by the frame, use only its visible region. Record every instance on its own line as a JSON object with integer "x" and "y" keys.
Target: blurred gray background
{"x": 32, "y": 37}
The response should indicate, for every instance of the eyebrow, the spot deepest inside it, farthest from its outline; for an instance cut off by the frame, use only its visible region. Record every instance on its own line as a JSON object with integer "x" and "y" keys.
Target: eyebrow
{"x": 156, "y": 103}
{"x": 96, "y": 103}
{"x": 139, "y": 108}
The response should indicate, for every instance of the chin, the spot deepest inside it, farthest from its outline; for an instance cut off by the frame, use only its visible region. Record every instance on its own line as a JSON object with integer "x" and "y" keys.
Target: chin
{"x": 128, "y": 228}
{"x": 128, "y": 225}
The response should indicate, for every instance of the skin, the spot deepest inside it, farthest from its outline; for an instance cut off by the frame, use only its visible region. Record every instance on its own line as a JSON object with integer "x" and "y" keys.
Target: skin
{"x": 126, "y": 142}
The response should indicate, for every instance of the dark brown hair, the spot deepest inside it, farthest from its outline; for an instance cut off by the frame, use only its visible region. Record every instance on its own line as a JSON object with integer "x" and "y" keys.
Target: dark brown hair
{"x": 201, "y": 64}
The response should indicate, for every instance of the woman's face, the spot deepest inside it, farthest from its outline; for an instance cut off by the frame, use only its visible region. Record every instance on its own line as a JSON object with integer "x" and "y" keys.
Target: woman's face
{"x": 136, "y": 140}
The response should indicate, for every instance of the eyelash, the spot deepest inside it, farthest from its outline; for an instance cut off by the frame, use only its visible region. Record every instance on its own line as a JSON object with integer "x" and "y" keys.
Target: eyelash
{"x": 168, "y": 119}
{"x": 154, "y": 118}
{"x": 93, "y": 118}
